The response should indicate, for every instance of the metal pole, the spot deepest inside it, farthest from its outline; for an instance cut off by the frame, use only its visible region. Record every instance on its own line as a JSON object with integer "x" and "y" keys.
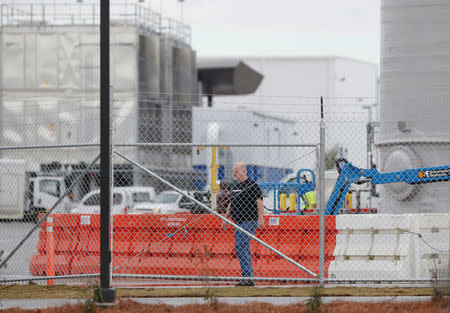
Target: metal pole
{"x": 214, "y": 187}
{"x": 369, "y": 158}
{"x": 322, "y": 198}
{"x": 106, "y": 293}
{"x": 369, "y": 148}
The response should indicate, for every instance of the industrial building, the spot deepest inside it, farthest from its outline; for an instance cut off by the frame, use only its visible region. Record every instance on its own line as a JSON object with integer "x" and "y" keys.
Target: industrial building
{"x": 49, "y": 79}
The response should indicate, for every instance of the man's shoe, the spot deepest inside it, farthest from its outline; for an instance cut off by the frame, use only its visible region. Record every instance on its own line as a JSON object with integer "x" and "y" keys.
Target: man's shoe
{"x": 245, "y": 283}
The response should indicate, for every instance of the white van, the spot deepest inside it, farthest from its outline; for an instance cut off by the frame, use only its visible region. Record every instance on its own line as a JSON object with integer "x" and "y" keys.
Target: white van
{"x": 124, "y": 200}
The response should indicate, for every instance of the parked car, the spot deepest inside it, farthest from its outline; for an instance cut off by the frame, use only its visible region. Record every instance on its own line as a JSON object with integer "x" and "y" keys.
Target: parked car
{"x": 124, "y": 200}
{"x": 166, "y": 202}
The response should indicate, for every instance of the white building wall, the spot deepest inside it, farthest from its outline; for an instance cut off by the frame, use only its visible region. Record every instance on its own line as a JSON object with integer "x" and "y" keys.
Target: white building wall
{"x": 240, "y": 127}
{"x": 216, "y": 126}
{"x": 292, "y": 87}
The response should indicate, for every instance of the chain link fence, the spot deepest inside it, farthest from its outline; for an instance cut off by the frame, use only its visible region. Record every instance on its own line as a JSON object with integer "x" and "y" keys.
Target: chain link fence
{"x": 180, "y": 169}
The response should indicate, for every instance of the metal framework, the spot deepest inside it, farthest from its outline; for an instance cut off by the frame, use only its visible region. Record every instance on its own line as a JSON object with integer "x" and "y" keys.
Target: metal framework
{"x": 81, "y": 14}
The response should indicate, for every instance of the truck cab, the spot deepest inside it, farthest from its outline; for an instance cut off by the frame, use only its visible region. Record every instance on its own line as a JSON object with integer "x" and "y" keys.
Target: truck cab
{"x": 42, "y": 194}
{"x": 24, "y": 192}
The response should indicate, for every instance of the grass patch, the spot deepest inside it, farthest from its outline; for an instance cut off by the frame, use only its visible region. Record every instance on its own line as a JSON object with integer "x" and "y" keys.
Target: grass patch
{"x": 127, "y": 306}
{"x": 75, "y": 292}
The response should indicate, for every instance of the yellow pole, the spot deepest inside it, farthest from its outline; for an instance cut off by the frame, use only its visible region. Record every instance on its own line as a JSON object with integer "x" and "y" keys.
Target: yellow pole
{"x": 214, "y": 168}
{"x": 292, "y": 202}
{"x": 214, "y": 186}
{"x": 282, "y": 202}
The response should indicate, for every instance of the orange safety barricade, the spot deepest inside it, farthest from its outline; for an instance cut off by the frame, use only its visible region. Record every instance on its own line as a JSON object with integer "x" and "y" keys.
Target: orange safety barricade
{"x": 87, "y": 253}
{"x": 187, "y": 245}
{"x": 269, "y": 236}
{"x": 86, "y": 264}
{"x": 223, "y": 241}
{"x": 54, "y": 255}
{"x": 39, "y": 265}
{"x": 152, "y": 265}
{"x": 183, "y": 241}
{"x": 124, "y": 234}
{"x": 205, "y": 241}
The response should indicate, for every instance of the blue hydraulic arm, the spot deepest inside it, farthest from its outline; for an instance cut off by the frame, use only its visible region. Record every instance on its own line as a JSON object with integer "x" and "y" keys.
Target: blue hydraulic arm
{"x": 305, "y": 186}
{"x": 350, "y": 174}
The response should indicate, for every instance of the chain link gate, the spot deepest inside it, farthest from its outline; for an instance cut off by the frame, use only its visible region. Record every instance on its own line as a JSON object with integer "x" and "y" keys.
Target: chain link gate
{"x": 180, "y": 236}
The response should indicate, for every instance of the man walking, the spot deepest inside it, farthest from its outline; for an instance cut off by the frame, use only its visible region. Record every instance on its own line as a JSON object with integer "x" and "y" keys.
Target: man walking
{"x": 246, "y": 209}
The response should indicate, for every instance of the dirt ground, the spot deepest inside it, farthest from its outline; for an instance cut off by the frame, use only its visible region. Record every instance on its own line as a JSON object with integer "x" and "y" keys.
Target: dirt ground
{"x": 125, "y": 306}
{"x": 33, "y": 291}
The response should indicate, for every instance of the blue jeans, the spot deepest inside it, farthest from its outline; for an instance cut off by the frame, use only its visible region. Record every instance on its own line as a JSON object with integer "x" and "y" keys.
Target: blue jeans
{"x": 242, "y": 247}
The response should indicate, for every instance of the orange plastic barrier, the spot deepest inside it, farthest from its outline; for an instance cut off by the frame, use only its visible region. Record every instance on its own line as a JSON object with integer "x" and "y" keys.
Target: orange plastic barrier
{"x": 182, "y": 244}
{"x": 61, "y": 247}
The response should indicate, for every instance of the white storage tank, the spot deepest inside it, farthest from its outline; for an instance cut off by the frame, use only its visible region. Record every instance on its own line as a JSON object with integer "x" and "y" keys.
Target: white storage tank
{"x": 415, "y": 100}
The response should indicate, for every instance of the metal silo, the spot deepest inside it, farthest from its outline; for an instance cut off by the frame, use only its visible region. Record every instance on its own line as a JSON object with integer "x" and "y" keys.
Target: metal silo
{"x": 415, "y": 100}
{"x": 184, "y": 75}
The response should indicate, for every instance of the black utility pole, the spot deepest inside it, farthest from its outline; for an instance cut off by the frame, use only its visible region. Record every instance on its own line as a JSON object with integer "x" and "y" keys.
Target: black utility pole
{"x": 106, "y": 293}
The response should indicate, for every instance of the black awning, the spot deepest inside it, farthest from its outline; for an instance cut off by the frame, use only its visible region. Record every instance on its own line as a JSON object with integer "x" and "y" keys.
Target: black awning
{"x": 227, "y": 77}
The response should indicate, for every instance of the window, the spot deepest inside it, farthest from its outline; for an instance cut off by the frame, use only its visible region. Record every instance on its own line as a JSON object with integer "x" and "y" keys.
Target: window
{"x": 141, "y": 197}
{"x": 185, "y": 200}
{"x": 50, "y": 187}
{"x": 117, "y": 199}
{"x": 166, "y": 198}
{"x": 93, "y": 200}
{"x": 30, "y": 190}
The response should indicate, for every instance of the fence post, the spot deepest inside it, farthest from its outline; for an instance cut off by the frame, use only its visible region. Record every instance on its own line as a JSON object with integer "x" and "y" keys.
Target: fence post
{"x": 50, "y": 247}
{"x": 107, "y": 293}
{"x": 321, "y": 182}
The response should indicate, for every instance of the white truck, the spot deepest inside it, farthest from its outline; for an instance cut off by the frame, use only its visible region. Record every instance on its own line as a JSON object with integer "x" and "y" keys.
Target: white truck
{"x": 24, "y": 193}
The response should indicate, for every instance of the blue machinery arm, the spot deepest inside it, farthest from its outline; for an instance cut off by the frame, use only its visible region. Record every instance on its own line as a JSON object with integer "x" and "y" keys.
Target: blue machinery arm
{"x": 350, "y": 174}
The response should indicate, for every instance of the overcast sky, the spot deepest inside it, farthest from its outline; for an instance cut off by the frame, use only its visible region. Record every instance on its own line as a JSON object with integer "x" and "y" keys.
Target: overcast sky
{"x": 348, "y": 28}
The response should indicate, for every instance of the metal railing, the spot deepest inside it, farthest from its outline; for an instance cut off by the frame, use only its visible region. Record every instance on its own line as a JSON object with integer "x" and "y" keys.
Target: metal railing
{"x": 80, "y": 14}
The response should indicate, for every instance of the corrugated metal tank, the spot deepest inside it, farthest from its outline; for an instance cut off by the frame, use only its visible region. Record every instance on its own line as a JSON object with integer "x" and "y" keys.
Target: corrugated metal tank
{"x": 149, "y": 66}
{"x": 183, "y": 65}
{"x": 415, "y": 100}
{"x": 50, "y": 81}
{"x": 50, "y": 76}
